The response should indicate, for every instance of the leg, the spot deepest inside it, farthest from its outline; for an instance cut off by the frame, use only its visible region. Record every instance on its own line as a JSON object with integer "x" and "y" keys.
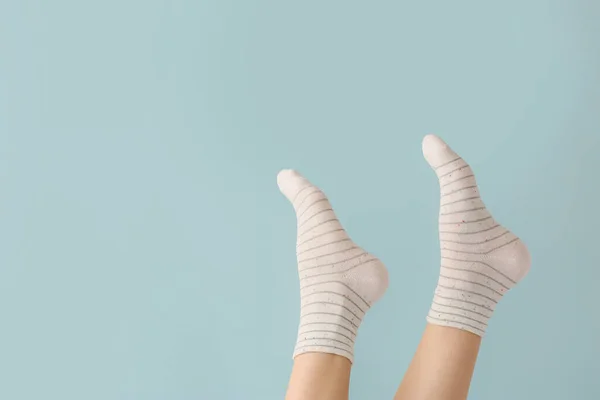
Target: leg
{"x": 319, "y": 376}
{"x": 442, "y": 367}
{"x": 339, "y": 282}
{"x": 481, "y": 261}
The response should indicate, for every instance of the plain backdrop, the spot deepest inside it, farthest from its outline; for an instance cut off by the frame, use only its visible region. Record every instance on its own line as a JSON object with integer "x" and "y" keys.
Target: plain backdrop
{"x": 146, "y": 253}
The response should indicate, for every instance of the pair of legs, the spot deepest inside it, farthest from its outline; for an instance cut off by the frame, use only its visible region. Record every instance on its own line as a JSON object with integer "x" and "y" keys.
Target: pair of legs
{"x": 339, "y": 282}
{"x": 440, "y": 370}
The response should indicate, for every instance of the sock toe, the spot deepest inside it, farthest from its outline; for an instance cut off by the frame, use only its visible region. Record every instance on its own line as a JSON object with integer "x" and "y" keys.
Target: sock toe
{"x": 437, "y": 152}
{"x": 290, "y": 183}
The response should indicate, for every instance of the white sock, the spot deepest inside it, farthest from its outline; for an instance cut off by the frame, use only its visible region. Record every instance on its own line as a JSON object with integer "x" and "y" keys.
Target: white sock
{"x": 339, "y": 281}
{"x": 481, "y": 260}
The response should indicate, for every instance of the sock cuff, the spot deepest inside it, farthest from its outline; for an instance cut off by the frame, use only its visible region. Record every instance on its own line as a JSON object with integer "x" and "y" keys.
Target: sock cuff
{"x": 326, "y": 332}
{"x": 460, "y": 310}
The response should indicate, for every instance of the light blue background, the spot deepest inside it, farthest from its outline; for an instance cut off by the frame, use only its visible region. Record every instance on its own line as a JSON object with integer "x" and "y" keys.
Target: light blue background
{"x": 146, "y": 252}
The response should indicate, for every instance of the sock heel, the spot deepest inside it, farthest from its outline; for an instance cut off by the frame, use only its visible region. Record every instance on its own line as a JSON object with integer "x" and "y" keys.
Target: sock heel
{"x": 370, "y": 280}
{"x": 514, "y": 259}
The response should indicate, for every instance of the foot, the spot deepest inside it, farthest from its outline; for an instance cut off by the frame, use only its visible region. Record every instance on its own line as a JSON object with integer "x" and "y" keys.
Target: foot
{"x": 339, "y": 281}
{"x": 481, "y": 260}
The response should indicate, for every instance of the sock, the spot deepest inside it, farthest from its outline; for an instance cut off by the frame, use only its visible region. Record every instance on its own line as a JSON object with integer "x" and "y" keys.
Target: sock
{"x": 339, "y": 281}
{"x": 481, "y": 260}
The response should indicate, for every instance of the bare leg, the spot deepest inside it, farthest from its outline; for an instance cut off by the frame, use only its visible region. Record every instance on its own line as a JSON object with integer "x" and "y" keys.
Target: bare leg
{"x": 319, "y": 376}
{"x": 442, "y": 366}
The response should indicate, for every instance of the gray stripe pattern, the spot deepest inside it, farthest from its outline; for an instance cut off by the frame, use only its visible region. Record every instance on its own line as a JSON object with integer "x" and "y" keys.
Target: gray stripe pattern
{"x": 332, "y": 272}
{"x": 480, "y": 258}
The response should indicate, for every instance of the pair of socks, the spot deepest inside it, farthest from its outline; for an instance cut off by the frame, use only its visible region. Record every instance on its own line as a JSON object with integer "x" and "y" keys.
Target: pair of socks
{"x": 339, "y": 281}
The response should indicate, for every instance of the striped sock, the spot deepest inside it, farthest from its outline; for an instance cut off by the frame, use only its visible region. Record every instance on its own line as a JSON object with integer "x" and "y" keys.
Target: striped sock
{"x": 339, "y": 281}
{"x": 481, "y": 260}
